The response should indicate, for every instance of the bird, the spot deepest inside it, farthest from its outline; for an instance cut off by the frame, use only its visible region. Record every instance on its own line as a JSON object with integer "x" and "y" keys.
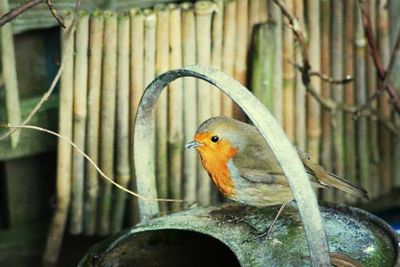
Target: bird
{"x": 243, "y": 167}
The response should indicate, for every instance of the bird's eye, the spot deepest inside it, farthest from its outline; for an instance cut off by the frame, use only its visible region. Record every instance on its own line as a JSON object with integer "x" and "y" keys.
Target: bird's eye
{"x": 215, "y": 138}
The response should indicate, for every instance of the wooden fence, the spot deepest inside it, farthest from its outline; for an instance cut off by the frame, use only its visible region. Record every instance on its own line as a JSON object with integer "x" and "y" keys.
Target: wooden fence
{"x": 116, "y": 55}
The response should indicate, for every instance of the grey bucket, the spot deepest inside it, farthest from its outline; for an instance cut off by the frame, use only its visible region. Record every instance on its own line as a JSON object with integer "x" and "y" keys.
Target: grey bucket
{"x": 195, "y": 237}
{"x": 200, "y": 236}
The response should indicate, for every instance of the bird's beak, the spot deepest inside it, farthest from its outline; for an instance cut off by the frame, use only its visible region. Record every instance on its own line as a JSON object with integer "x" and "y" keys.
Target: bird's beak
{"x": 192, "y": 144}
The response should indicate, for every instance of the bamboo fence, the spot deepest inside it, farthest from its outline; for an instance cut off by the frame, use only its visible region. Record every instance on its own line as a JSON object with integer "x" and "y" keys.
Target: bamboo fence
{"x": 79, "y": 121}
{"x": 203, "y": 11}
{"x": 64, "y": 150}
{"x": 107, "y": 118}
{"x": 116, "y": 55}
{"x": 337, "y": 72}
{"x": 175, "y": 108}
{"x": 361, "y": 97}
{"x": 122, "y": 168}
{"x": 385, "y": 141}
{"x": 136, "y": 89}
{"x": 9, "y": 74}
{"x": 349, "y": 96}
{"x": 190, "y": 100}
{"x": 93, "y": 120}
{"x": 162, "y": 65}
{"x": 374, "y": 157}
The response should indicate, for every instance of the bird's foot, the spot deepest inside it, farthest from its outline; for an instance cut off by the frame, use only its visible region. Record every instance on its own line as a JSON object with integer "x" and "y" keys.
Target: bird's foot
{"x": 260, "y": 236}
{"x": 264, "y": 235}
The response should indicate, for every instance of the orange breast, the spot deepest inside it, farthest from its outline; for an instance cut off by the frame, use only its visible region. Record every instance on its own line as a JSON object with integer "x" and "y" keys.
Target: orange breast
{"x": 216, "y": 165}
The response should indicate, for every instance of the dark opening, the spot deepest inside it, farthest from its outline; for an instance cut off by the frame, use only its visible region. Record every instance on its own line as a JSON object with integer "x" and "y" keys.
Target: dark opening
{"x": 169, "y": 248}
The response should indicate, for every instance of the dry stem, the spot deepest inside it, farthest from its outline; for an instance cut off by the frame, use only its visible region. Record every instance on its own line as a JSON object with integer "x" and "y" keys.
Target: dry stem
{"x": 102, "y": 174}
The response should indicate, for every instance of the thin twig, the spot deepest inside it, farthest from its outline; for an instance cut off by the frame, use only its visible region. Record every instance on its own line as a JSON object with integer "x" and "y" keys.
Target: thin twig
{"x": 55, "y": 13}
{"x": 375, "y": 115}
{"x": 324, "y": 77}
{"x": 12, "y": 14}
{"x": 297, "y": 31}
{"x": 387, "y": 78}
{"x": 102, "y": 174}
{"x": 383, "y": 75}
{"x": 329, "y": 79}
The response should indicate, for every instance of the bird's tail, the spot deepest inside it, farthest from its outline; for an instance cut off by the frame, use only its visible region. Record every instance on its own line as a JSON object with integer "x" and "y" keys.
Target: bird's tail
{"x": 337, "y": 182}
{"x": 331, "y": 180}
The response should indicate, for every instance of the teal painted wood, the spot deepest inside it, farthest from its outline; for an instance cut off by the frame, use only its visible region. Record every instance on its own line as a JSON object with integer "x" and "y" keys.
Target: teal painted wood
{"x": 40, "y": 17}
{"x": 354, "y": 235}
{"x": 32, "y": 142}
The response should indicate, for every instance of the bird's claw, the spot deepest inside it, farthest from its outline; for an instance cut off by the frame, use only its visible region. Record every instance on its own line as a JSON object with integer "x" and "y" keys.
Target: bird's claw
{"x": 260, "y": 236}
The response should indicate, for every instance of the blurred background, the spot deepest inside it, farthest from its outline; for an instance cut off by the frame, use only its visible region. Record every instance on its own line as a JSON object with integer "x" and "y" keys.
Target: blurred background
{"x": 332, "y": 87}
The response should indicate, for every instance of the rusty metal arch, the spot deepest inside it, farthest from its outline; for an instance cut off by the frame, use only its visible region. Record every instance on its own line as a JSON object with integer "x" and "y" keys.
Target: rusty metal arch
{"x": 144, "y": 151}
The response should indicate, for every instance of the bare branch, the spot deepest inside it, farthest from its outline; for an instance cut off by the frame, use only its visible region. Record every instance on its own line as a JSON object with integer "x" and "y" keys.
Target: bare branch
{"x": 329, "y": 79}
{"x": 12, "y": 14}
{"x": 328, "y": 103}
{"x": 383, "y": 75}
{"x": 55, "y": 13}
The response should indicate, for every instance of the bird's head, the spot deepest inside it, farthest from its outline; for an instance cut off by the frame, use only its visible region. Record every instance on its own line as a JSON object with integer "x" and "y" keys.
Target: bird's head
{"x": 218, "y": 138}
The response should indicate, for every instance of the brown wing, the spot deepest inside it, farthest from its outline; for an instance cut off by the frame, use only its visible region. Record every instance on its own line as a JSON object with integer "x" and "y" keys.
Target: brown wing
{"x": 262, "y": 166}
{"x": 257, "y": 176}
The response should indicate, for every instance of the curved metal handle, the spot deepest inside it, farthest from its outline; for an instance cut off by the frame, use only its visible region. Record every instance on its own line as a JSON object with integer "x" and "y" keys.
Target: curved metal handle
{"x": 284, "y": 151}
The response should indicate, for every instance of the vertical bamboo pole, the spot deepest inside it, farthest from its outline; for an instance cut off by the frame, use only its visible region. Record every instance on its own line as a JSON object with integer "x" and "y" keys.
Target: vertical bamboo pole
{"x": 107, "y": 117}
{"x": 149, "y": 186}
{"x": 64, "y": 150}
{"x": 337, "y": 89}
{"x": 372, "y": 123}
{"x": 217, "y": 27}
{"x": 275, "y": 16}
{"x": 79, "y": 120}
{"x": 349, "y": 98}
{"x": 326, "y": 134}
{"x": 240, "y": 63}
{"x": 263, "y": 16}
{"x": 203, "y": 10}
{"x": 10, "y": 75}
{"x": 384, "y": 102}
{"x": 313, "y": 107}
{"x": 93, "y": 123}
{"x": 136, "y": 87}
{"x": 361, "y": 95}
{"x": 190, "y": 101}
{"x": 149, "y": 46}
{"x": 394, "y": 10}
{"x": 288, "y": 78}
{"x": 263, "y": 63}
{"x": 162, "y": 65}
{"x": 254, "y": 17}
{"x": 136, "y": 90}
{"x": 228, "y": 51}
{"x": 300, "y": 104}
{"x": 122, "y": 169}
{"x": 175, "y": 108}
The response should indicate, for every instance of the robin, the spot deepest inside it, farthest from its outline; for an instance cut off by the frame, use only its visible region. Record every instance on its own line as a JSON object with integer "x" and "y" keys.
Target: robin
{"x": 243, "y": 167}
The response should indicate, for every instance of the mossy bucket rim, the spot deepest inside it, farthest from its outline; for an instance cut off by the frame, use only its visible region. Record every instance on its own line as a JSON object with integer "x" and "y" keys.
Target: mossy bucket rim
{"x": 353, "y": 234}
